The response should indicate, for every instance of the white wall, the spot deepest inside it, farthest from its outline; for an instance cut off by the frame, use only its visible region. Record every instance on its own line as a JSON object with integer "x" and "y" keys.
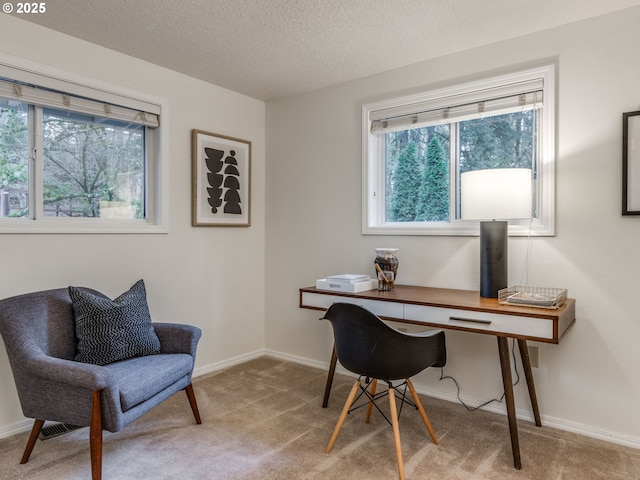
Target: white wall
{"x": 209, "y": 277}
{"x": 589, "y": 382}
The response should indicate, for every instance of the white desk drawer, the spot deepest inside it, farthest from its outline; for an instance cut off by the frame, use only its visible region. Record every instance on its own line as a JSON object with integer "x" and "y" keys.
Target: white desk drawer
{"x": 481, "y": 322}
{"x": 380, "y": 308}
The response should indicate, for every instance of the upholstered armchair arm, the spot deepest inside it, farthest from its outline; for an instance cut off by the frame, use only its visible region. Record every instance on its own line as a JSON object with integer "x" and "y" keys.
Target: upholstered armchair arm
{"x": 69, "y": 372}
{"x": 177, "y": 337}
{"x": 59, "y": 390}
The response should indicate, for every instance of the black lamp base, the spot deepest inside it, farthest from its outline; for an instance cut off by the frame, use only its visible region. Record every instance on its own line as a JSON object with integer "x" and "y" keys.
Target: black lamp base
{"x": 493, "y": 257}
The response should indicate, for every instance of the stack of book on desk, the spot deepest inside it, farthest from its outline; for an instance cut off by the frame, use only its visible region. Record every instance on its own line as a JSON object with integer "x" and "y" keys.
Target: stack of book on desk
{"x": 347, "y": 282}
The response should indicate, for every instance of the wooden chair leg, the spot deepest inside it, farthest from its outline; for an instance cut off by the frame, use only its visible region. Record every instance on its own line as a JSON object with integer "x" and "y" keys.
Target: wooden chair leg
{"x": 374, "y": 384}
{"x": 192, "y": 401}
{"x": 343, "y": 415}
{"x": 35, "y": 431}
{"x": 95, "y": 437}
{"x": 396, "y": 430}
{"x": 423, "y": 414}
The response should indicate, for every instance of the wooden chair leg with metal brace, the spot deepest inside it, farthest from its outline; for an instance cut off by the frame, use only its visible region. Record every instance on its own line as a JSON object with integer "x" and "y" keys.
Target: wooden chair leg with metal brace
{"x": 343, "y": 415}
{"x": 368, "y": 347}
{"x": 369, "y": 391}
{"x": 374, "y": 385}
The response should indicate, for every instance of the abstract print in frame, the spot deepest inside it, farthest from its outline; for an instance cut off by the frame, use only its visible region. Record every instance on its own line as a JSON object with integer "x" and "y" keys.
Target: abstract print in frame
{"x": 221, "y": 180}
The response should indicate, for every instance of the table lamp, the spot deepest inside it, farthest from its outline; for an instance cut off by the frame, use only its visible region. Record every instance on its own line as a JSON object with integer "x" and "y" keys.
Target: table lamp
{"x": 494, "y": 196}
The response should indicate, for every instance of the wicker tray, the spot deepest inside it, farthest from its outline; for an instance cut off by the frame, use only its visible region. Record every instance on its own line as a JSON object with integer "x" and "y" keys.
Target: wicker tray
{"x": 541, "y": 297}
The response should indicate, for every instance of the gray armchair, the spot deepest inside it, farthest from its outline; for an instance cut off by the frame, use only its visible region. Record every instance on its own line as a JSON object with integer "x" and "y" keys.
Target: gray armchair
{"x": 39, "y": 334}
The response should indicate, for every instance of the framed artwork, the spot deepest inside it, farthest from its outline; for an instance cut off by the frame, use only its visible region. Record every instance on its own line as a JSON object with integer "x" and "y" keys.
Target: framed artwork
{"x": 631, "y": 163}
{"x": 221, "y": 180}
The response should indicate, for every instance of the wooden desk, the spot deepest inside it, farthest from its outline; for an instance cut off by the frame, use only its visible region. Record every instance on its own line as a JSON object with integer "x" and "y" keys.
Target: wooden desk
{"x": 460, "y": 310}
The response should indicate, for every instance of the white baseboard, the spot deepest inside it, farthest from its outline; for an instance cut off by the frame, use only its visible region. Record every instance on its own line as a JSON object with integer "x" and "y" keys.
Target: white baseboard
{"x": 549, "y": 421}
{"x": 15, "y": 428}
{"x": 230, "y": 362}
{"x": 593, "y": 432}
{"x": 561, "y": 424}
{"x": 304, "y": 361}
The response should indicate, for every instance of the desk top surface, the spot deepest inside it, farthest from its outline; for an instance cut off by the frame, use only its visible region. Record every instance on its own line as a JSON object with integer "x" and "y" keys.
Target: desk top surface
{"x": 452, "y": 298}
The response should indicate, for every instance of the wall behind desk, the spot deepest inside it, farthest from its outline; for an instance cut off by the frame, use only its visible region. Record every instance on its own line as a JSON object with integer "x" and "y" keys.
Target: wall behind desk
{"x": 589, "y": 383}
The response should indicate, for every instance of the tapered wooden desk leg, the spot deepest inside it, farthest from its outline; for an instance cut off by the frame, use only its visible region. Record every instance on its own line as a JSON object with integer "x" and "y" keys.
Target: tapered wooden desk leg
{"x": 332, "y": 370}
{"x": 503, "y": 349}
{"x": 526, "y": 364}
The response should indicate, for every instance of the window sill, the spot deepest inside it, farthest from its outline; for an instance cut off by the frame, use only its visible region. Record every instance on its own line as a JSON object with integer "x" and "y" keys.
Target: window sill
{"x": 20, "y": 226}
{"x": 458, "y": 228}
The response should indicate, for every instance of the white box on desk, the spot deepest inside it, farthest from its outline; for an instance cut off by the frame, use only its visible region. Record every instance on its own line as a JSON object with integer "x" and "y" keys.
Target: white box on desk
{"x": 324, "y": 284}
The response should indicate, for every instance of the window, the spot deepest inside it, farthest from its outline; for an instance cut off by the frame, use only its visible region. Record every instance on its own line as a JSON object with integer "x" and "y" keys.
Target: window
{"x": 70, "y": 162}
{"x": 415, "y": 148}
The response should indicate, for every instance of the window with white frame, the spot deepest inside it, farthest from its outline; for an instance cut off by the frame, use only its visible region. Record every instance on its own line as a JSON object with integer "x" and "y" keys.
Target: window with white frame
{"x": 416, "y": 147}
{"x": 76, "y": 158}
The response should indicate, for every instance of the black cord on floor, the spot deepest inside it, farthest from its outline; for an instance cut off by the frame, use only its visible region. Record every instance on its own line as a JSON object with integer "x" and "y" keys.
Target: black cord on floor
{"x": 498, "y": 400}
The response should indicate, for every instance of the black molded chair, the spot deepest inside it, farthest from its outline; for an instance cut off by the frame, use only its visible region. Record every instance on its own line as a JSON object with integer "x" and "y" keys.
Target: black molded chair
{"x": 368, "y": 347}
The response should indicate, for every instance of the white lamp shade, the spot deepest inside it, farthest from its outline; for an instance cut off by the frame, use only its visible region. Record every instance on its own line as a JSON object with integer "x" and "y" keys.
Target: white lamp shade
{"x": 495, "y": 194}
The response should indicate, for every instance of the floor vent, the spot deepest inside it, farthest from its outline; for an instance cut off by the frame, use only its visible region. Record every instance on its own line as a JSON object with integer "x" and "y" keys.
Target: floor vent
{"x": 57, "y": 429}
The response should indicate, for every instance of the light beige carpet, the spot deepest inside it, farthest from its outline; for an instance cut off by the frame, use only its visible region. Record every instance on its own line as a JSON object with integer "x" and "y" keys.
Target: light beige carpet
{"x": 263, "y": 420}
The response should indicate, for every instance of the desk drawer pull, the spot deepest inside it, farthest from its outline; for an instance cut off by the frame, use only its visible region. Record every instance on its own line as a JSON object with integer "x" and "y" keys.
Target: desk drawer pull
{"x": 471, "y": 320}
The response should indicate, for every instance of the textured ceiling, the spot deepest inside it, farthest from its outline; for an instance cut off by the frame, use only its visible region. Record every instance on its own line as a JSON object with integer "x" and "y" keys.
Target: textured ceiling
{"x": 276, "y": 48}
